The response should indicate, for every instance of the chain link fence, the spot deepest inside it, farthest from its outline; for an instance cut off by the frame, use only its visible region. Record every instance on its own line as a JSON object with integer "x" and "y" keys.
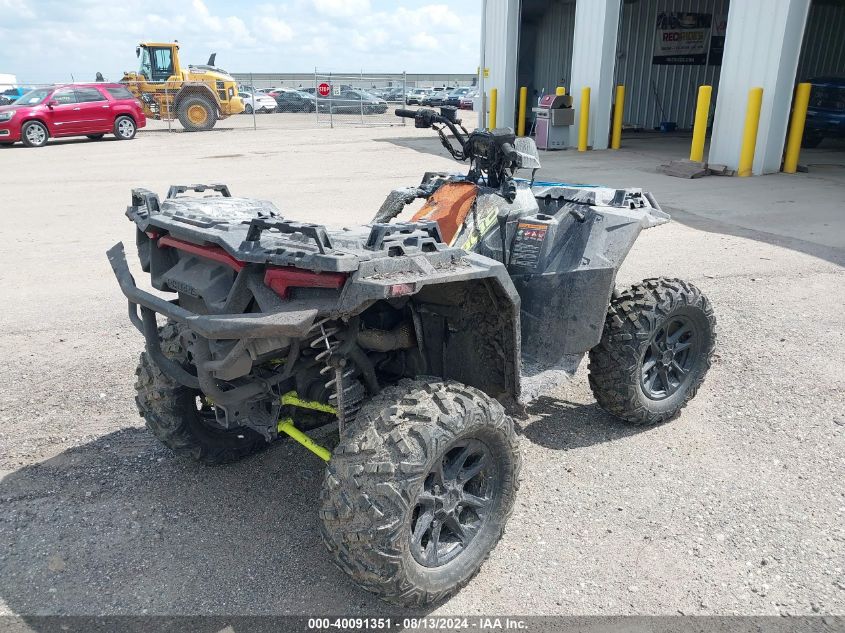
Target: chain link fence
{"x": 320, "y": 100}
{"x": 359, "y": 99}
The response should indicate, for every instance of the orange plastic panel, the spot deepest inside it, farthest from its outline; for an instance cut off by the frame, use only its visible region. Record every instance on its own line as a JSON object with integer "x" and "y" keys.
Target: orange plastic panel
{"x": 449, "y": 206}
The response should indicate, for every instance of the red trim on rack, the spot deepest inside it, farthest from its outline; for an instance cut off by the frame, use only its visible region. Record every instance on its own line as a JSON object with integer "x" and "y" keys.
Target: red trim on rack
{"x": 280, "y": 280}
{"x": 209, "y": 252}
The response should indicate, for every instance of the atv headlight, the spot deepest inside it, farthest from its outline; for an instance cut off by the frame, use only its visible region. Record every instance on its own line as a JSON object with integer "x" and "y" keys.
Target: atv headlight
{"x": 6, "y": 116}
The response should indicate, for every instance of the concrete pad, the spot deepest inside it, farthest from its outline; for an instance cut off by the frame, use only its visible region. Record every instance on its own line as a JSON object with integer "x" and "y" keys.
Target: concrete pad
{"x": 805, "y": 207}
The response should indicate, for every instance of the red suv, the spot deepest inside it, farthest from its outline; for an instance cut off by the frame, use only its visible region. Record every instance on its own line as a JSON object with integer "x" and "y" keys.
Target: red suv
{"x": 91, "y": 110}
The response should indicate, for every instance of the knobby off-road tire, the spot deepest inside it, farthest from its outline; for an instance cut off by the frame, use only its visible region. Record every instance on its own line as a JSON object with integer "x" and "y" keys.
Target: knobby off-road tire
{"x": 172, "y": 412}
{"x": 397, "y": 474}
{"x": 656, "y": 348}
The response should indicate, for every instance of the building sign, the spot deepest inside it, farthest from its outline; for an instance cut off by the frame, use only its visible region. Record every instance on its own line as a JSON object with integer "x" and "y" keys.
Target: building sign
{"x": 682, "y": 38}
{"x": 717, "y": 40}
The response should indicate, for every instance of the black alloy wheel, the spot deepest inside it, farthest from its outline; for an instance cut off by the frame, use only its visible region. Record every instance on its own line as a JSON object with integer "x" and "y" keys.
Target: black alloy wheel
{"x": 452, "y": 506}
{"x": 669, "y": 357}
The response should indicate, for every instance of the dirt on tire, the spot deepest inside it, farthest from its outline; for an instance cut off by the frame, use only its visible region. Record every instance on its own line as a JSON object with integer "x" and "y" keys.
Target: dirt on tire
{"x": 633, "y": 317}
{"x": 171, "y": 411}
{"x": 378, "y": 470}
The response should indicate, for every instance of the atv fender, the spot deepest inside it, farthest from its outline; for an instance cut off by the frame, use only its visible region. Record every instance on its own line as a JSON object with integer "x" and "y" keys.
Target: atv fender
{"x": 468, "y": 314}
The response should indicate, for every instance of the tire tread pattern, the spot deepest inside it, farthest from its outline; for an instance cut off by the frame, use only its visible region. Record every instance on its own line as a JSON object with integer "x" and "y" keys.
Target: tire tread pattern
{"x": 166, "y": 405}
{"x": 378, "y": 467}
{"x": 632, "y": 318}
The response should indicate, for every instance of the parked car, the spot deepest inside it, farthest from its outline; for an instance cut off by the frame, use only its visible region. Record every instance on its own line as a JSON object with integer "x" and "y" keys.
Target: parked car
{"x": 15, "y": 93}
{"x": 355, "y": 101}
{"x": 290, "y": 100}
{"x": 435, "y": 100}
{"x": 258, "y": 102}
{"x": 395, "y": 95}
{"x": 826, "y": 114}
{"x": 467, "y": 102}
{"x": 416, "y": 96}
{"x": 91, "y": 110}
{"x": 436, "y": 97}
{"x": 454, "y": 96}
{"x": 10, "y": 95}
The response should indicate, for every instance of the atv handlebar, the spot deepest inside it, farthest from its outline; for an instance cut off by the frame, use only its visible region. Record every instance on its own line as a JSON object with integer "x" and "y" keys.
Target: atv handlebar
{"x": 427, "y": 118}
{"x": 510, "y": 153}
{"x": 490, "y": 152}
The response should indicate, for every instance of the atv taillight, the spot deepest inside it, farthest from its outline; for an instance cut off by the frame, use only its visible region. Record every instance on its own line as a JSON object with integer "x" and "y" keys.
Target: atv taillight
{"x": 400, "y": 290}
{"x": 281, "y": 280}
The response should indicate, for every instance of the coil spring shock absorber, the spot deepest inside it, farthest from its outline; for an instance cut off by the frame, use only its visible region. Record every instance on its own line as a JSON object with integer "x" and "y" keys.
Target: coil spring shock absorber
{"x": 346, "y": 393}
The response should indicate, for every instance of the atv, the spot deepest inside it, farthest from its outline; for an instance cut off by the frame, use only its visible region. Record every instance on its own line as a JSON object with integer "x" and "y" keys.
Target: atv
{"x": 415, "y": 337}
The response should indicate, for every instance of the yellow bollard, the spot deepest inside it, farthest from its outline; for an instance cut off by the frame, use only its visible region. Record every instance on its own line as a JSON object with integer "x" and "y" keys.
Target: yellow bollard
{"x": 560, "y": 90}
{"x": 584, "y": 119}
{"x": 749, "y": 133}
{"x": 523, "y": 106}
{"x": 619, "y": 106}
{"x": 494, "y": 97}
{"x": 699, "y": 128}
{"x": 796, "y": 128}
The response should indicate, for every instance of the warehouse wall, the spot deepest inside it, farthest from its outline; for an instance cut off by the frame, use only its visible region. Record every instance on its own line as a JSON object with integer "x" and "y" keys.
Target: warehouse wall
{"x": 547, "y": 34}
{"x": 502, "y": 37}
{"x": 676, "y": 87}
{"x": 545, "y": 54}
{"x": 553, "y": 48}
{"x": 823, "y": 50}
{"x": 761, "y": 50}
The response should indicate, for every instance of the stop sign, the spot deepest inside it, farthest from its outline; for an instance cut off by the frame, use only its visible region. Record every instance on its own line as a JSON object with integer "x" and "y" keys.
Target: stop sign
{"x": 324, "y": 89}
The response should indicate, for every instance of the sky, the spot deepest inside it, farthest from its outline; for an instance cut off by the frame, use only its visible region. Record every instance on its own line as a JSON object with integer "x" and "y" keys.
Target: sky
{"x": 52, "y": 40}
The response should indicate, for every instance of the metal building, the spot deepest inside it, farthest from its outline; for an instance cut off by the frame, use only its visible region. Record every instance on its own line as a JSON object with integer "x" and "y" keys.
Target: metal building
{"x": 662, "y": 51}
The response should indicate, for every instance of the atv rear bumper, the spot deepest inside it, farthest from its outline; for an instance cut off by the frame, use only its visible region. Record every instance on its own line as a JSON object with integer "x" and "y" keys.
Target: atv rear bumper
{"x": 292, "y": 323}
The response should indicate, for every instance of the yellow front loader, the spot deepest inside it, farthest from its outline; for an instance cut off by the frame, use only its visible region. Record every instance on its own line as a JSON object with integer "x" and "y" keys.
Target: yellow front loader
{"x": 197, "y": 95}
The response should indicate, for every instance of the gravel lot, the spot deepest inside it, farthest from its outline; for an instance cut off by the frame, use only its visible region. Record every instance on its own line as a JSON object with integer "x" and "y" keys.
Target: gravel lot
{"x": 737, "y": 507}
